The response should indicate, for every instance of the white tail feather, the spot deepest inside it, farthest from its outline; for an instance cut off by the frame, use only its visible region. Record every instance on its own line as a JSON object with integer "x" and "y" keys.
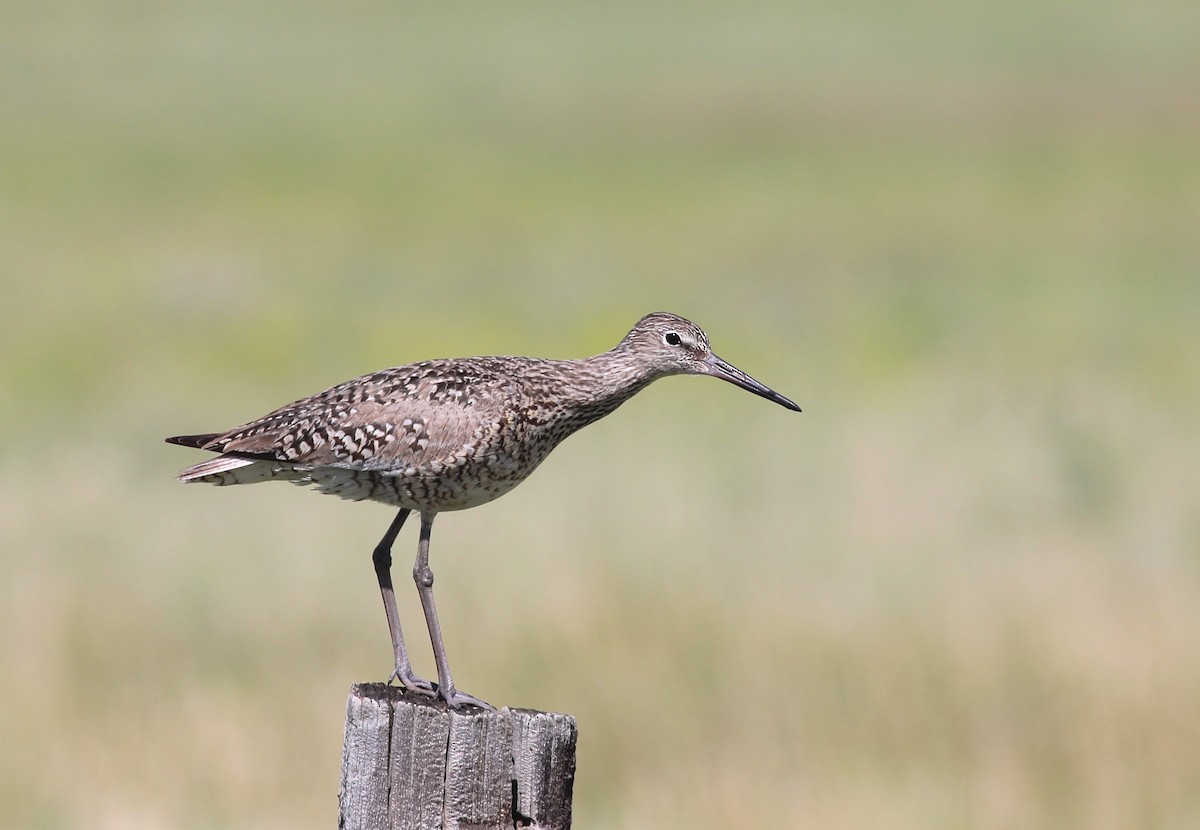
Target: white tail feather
{"x": 233, "y": 469}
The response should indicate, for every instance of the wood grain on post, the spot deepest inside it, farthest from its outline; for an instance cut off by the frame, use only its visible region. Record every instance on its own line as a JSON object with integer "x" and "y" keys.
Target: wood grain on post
{"x": 410, "y": 763}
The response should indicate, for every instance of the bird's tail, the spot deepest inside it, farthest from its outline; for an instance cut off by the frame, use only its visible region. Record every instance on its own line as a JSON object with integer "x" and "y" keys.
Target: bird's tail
{"x": 233, "y": 467}
{"x": 194, "y": 441}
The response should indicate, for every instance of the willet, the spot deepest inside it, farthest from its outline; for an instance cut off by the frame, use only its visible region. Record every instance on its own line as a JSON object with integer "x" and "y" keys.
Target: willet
{"x": 447, "y": 435}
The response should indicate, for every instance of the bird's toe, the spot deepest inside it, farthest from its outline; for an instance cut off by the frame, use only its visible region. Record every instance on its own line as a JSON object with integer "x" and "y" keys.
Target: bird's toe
{"x": 413, "y": 683}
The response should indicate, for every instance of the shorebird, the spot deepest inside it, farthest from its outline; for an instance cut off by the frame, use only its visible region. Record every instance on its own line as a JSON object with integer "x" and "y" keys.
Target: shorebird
{"x": 447, "y": 435}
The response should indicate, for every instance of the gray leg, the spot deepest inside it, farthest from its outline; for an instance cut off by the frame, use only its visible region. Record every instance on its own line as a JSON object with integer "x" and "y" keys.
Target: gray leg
{"x": 382, "y": 557}
{"x": 423, "y": 576}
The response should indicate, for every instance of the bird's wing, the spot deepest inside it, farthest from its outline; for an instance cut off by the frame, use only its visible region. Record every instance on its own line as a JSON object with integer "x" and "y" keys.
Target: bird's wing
{"x": 407, "y": 416}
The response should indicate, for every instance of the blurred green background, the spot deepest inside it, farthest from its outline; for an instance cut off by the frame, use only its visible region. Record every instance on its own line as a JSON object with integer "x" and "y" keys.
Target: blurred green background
{"x": 960, "y": 591}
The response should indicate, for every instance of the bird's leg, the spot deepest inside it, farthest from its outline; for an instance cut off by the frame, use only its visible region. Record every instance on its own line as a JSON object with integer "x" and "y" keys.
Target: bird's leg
{"x": 423, "y": 576}
{"x": 382, "y": 557}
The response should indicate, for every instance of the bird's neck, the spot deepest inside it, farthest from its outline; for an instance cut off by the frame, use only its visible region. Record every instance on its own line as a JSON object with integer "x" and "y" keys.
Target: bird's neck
{"x": 599, "y": 384}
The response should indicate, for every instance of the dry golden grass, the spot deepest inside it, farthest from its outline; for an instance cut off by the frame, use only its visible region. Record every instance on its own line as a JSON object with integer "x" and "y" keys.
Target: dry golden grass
{"x": 881, "y": 631}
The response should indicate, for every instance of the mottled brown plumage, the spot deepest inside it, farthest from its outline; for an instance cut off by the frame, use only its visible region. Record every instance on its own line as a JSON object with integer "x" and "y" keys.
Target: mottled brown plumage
{"x": 447, "y": 435}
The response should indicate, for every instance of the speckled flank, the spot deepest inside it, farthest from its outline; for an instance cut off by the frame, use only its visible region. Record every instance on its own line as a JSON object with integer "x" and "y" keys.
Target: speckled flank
{"x": 446, "y": 434}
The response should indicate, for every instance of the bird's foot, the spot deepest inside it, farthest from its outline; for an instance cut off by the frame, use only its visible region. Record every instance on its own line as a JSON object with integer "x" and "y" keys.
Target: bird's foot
{"x": 456, "y": 699}
{"x": 413, "y": 683}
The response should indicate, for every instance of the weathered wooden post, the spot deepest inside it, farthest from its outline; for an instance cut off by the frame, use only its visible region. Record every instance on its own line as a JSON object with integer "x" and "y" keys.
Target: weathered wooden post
{"x": 411, "y": 763}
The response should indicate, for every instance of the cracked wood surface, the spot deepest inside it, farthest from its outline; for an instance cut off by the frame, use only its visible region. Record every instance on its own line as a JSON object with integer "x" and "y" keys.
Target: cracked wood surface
{"x": 410, "y": 763}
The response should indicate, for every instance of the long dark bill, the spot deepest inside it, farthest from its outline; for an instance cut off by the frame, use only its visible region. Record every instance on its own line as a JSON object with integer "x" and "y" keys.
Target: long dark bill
{"x": 718, "y": 368}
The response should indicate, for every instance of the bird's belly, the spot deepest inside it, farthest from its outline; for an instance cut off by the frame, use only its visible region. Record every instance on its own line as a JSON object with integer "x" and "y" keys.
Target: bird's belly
{"x": 432, "y": 487}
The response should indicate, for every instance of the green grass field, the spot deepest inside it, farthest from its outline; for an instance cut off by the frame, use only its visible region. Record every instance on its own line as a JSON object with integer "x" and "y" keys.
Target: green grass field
{"x": 961, "y": 590}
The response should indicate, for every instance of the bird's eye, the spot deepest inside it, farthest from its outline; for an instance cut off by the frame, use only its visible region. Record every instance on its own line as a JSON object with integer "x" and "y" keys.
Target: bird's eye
{"x": 672, "y": 338}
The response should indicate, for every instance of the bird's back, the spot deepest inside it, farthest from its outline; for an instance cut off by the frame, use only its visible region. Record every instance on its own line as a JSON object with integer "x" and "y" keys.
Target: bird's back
{"x": 437, "y": 435}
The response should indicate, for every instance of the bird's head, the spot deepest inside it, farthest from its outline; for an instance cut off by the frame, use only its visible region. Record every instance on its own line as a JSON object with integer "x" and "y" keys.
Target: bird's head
{"x": 667, "y": 344}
